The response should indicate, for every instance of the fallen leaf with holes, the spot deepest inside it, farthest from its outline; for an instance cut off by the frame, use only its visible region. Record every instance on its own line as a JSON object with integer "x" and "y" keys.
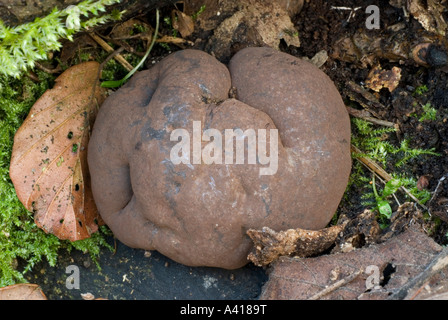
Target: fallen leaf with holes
{"x": 269, "y": 245}
{"x": 367, "y": 273}
{"x": 22, "y": 291}
{"x": 379, "y": 78}
{"x": 49, "y": 158}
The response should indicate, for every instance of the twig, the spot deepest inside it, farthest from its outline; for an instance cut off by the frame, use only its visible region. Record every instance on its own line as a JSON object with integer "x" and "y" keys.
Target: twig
{"x": 419, "y": 290}
{"x": 48, "y": 70}
{"x": 438, "y": 263}
{"x": 109, "y": 49}
{"x": 118, "y": 83}
{"x": 366, "y": 115}
{"x": 112, "y": 55}
{"x": 336, "y": 285}
{"x": 436, "y": 191}
{"x": 371, "y": 165}
{"x": 345, "y": 8}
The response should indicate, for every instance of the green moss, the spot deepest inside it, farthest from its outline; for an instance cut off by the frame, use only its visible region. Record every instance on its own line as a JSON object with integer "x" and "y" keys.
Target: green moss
{"x": 377, "y": 144}
{"x": 420, "y": 90}
{"x": 429, "y": 113}
{"x": 23, "y": 45}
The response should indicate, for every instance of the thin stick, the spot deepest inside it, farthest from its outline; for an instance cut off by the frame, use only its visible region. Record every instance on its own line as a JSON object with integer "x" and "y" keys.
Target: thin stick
{"x": 112, "y": 55}
{"x": 109, "y": 49}
{"x": 366, "y": 115}
{"x": 436, "y": 191}
{"x": 336, "y": 285}
{"x": 58, "y": 69}
{"x": 118, "y": 83}
{"x": 371, "y": 165}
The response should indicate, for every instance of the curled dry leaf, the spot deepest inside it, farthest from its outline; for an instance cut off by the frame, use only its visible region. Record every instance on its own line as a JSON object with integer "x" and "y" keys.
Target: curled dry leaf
{"x": 49, "y": 159}
{"x": 22, "y": 291}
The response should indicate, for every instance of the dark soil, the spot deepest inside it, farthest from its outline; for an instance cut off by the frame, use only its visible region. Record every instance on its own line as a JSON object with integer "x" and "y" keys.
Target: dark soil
{"x": 320, "y": 27}
{"x": 127, "y": 274}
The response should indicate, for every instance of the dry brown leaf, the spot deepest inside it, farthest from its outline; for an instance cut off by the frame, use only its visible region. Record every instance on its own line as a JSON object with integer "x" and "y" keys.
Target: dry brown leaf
{"x": 49, "y": 159}
{"x": 367, "y": 273}
{"x": 22, "y": 291}
{"x": 183, "y": 23}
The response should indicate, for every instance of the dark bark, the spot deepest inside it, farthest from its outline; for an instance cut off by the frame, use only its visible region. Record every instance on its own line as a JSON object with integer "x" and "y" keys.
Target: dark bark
{"x": 15, "y": 12}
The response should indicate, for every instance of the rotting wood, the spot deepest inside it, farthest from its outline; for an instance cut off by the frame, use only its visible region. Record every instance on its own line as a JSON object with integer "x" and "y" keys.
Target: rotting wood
{"x": 269, "y": 244}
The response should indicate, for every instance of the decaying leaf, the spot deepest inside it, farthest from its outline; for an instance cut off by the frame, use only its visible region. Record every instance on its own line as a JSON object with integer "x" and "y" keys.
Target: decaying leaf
{"x": 71, "y": 48}
{"x": 269, "y": 245}
{"x": 183, "y": 23}
{"x": 367, "y": 273}
{"x": 49, "y": 159}
{"x": 22, "y": 291}
{"x": 379, "y": 78}
{"x": 87, "y": 296}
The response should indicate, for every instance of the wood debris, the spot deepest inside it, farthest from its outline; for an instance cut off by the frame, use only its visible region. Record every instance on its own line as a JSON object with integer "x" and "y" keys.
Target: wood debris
{"x": 269, "y": 245}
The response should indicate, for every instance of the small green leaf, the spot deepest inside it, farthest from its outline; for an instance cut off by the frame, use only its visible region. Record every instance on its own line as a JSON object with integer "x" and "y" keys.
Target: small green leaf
{"x": 391, "y": 187}
{"x": 384, "y": 208}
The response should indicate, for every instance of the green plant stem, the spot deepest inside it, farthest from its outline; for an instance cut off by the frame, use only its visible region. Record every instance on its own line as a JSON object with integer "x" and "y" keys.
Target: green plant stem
{"x": 118, "y": 83}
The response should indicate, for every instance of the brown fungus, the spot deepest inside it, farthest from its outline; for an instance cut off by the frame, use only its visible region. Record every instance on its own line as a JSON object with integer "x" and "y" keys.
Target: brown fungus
{"x": 198, "y": 214}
